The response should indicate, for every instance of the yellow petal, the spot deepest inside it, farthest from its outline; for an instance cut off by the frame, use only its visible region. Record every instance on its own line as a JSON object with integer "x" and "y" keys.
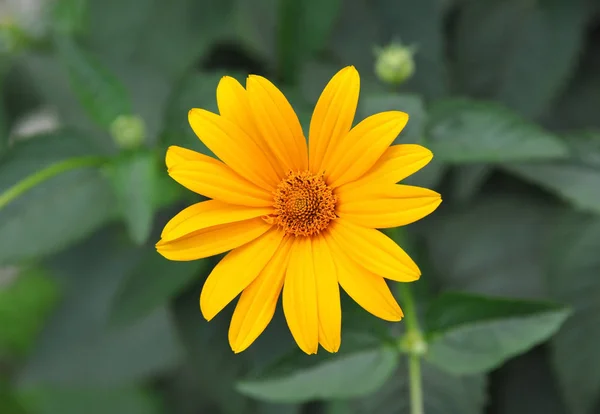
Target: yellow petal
{"x": 176, "y": 154}
{"x": 374, "y": 251}
{"x": 391, "y": 206}
{"x": 328, "y": 296}
{"x": 368, "y": 290}
{"x": 333, "y": 116}
{"x": 206, "y": 214}
{"x": 234, "y": 147}
{"x": 213, "y": 179}
{"x": 363, "y": 146}
{"x": 234, "y": 105}
{"x": 396, "y": 163}
{"x": 236, "y": 271}
{"x": 278, "y": 123}
{"x": 212, "y": 240}
{"x": 300, "y": 296}
{"x": 257, "y": 303}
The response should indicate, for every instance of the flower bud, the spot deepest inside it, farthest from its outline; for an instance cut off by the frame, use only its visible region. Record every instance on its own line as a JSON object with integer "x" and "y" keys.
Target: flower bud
{"x": 128, "y": 131}
{"x": 395, "y": 63}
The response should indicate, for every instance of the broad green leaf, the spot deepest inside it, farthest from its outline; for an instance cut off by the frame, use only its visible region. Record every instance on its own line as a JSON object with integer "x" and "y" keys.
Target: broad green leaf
{"x": 529, "y": 372}
{"x": 471, "y": 334}
{"x": 195, "y": 91}
{"x": 79, "y": 347}
{"x": 43, "y": 80}
{"x": 207, "y": 350}
{"x": 152, "y": 284}
{"x": 303, "y": 378}
{"x": 443, "y": 394}
{"x": 419, "y": 24}
{"x": 9, "y": 403}
{"x": 99, "y": 91}
{"x": 572, "y": 180}
{"x": 55, "y": 212}
{"x": 115, "y": 26}
{"x": 302, "y": 30}
{"x": 69, "y": 17}
{"x": 174, "y": 39}
{"x": 467, "y": 180}
{"x": 134, "y": 178}
{"x": 573, "y": 266}
{"x": 524, "y": 67}
{"x": 465, "y": 131}
{"x": 26, "y": 298}
{"x": 52, "y": 400}
{"x": 500, "y": 257}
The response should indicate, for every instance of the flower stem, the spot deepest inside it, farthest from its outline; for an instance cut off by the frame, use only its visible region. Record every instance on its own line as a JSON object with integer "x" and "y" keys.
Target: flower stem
{"x": 416, "y": 390}
{"x": 40, "y": 176}
{"x": 415, "y": 345}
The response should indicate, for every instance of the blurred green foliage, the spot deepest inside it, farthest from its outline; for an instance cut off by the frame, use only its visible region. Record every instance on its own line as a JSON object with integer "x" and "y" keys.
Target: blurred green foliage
{"x": 506, "y": 93}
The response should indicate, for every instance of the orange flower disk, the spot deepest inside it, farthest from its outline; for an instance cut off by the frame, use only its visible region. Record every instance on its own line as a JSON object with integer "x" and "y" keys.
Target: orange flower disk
{"x": 298, "y": 219}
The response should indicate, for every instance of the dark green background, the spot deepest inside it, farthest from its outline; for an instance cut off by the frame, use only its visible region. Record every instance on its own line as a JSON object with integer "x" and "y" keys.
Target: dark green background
{"x": 506, "y": 93}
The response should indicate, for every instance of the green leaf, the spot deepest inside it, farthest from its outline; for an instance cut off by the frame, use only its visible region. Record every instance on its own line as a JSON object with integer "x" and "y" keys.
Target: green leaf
{"x": 524, "y": 67}
{"x": 208, "y": 351}
{"x": 26, "y": 298}
{"x": 9, "y": 403}
{"x": 69, "y": 17}
{"x": 116, "y": 26}
{"x": 99, "y": 91}
{"x": 419, "y": 24}
{"x": 469, "y": 334}
{"x": 78, "y": 347}
{"x": 529, "y": 372}
{"x": 464, "y": 131}
{"x": 174, "y": 39}
{"x": 55, "y": 212}
{"x": 468, "y": 180}
{"x": 499, "y": 257}
{"x": 302, "y": 378}
{"x": 54, "y": 400}
{"x": 135, "y": 177}
{"x": 572, "y": 180}
{"x": 152, "y": 284}
{"x": 573, "y": 265}
{"x": 444, "y": 394}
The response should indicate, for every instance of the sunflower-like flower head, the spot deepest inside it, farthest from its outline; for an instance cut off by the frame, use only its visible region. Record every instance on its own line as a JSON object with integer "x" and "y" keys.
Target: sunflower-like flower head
{"x": 296, "y": 218}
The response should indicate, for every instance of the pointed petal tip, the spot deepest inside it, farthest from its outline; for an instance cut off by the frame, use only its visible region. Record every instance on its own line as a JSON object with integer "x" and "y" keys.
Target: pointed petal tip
{"x": 332, "y": 349}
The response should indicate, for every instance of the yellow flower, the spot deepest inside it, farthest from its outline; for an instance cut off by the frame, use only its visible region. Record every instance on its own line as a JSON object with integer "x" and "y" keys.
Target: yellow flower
{"x": 296, "y": 218}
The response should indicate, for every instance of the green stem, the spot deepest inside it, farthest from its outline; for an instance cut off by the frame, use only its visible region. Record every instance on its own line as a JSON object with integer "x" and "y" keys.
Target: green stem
{"x": 410, "y": 311}
{"x": 415, "y": 349}
{"x": 416, "y": 390}
{"x": 40, "y": 176}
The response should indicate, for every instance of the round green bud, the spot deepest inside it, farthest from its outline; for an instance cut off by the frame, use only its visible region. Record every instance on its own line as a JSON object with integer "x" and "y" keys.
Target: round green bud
{"x": 128, "y": 131}
{"x": 395, "y": 63}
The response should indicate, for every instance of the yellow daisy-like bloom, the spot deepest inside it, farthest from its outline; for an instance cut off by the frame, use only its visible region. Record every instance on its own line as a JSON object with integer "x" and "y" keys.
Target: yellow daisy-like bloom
{"x": 296, "y": 217}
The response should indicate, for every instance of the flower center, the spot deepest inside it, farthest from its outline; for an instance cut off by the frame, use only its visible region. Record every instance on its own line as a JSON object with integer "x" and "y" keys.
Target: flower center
{"x": 304, "y": 204}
